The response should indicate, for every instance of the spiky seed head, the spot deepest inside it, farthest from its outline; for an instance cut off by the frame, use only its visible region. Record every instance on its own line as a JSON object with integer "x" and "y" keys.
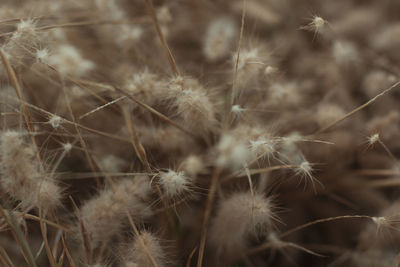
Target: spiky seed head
{"x": 239, "y": 216}
{"x": 305, "y": 169}
{"x": 192, "y": 103}
{"x": 55, "y": 121}
{"x": 318, "y": 22}
{"x": 105, "y": 215}
{"x": 317, "y": 25}
{"x": 26, "y": 30}
{"x": 262, "y": 146}
{"x": 174, "y": 183}
{"x": 138, "y": 252}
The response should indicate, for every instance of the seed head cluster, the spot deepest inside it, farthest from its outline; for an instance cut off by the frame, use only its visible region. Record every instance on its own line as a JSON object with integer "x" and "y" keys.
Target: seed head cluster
{"x": 144, "y": 133}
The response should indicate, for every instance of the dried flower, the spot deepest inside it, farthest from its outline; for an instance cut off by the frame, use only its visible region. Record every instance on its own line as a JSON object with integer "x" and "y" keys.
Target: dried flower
{"x": 174, "y": 183}
{"x": 238, "y": 217}
{"x": 104, "y": 215}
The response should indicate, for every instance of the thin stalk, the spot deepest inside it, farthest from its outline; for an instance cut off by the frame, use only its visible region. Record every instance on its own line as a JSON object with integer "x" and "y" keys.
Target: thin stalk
{"x": 369, "y": 102}
{"x": 19, "y": 237}
{"x": 45, "y": 241}
{"x": 160, "y": 35}
{"x": 5, "y": 258}
{"x": 207, "y": 213}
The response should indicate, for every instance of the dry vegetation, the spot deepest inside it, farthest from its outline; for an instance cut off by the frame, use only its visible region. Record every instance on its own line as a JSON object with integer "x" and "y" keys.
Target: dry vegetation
{"x": 199, "y": 133}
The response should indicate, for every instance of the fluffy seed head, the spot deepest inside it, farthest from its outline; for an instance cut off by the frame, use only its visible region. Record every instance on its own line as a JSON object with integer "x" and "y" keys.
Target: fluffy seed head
{"x": 219, "y": 39}
{"x": 193, "y": 165}
{"x": 26, "y": 26}
{"x": 128, "y": 34}
{"x": 138, "y": 253}
{"x": 317, "y": 24}
{"x": 26, "y": 31}
{"x": 284, "y": 93}
{"x": 238, "y": 217}
{"x": 262, "y": 146}
{"x": 22, "y": 40}
{"x": 112, "y": 163}
{"x": 69, "y": 61}
{"x": 105, "y": 215}
{"x": 49, "y": 194}
{"x": 327, "y": 113}
{"x": 345, "y": 52}
{"x": 304, "y": 169}
{"x": 147, "y": 86}
{"x": 174, "y": 183}
{"x": 232, "y": 153}
{"x": 289, "y": 149}
{"x": 192, "y": 104}
{"x": 246, "y": 70}
{"x": 22, "y": 176}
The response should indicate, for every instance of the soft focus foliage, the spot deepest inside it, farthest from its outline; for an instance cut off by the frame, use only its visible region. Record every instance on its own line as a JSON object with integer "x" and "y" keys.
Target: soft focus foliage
{"x": 199, "y": 133}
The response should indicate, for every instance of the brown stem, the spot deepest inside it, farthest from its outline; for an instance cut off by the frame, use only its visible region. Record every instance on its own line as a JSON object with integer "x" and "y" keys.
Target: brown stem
{"x": 156, "y": 25}
{"x": 207, "y": 213}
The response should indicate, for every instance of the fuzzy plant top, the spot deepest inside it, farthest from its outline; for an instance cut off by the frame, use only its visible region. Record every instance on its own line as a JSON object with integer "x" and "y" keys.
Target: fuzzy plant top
{"x": 152, "y": 133}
